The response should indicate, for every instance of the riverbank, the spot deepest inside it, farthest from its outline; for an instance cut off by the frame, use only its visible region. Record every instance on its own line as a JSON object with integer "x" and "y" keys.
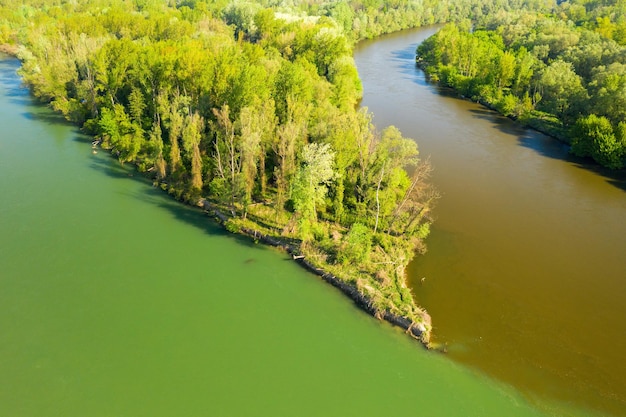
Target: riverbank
{"x": 554, "y": 93}
{"x": 8, "y": 49}
{"x": 377, "y": 284}
{"x": 541, "y": 122}
{"x": 544, "y": 123}
{"x": 418, "y": 324}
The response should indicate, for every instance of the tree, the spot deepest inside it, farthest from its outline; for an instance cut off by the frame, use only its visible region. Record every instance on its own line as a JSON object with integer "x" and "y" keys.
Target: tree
{"x": 347, "y": 87}
{"x": 594, "y": 136}
{"x": 311, "y": 182}
{"x": 242, "y": 16}
{"x": 608, "y": 91}
{"x": 340, "y": 129}
{"x": 227, "y": 157}
{"x": 175, "y": 125}
{"x": 416, "y": 204}
{"x": 156, "y": 142}
{"x": 505, "y": 70}
{"x": 525, "y": 65}
{"x": 112, "y": 65}
{"x": 293, "y": 82}
{"x": 290, "y": 134}
{"x": 343, "y": 15}
{"x": 562, "y": 90}
{"x": 251, "y": 127}
{"x": 136, "y": 106}
{"x": 191, "y": 136}
{"x": 266, "y": 125}
{"x": 386, "y": 180}
{"x": 119, "y": 133}
{"x": 356, "y": 244}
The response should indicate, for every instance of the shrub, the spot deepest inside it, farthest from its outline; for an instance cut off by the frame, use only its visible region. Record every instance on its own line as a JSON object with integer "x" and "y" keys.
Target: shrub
{"x": 507, "y": 104}
{"x": 594, "y": 136}
{"x": 357, "y": 244}
{"x": 232, "y": 226}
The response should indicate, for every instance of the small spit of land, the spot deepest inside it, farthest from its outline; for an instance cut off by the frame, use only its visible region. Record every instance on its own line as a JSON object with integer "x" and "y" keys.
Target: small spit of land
{"x": 252, "y": 112}
{"x": 351, "y": 279}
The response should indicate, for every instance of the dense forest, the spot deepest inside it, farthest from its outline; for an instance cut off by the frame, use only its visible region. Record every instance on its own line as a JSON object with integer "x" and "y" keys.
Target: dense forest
{"x": 563, "y": 72}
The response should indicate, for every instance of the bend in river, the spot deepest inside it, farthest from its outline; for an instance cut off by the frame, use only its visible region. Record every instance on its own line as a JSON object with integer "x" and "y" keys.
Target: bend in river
{"x": 525, "y": 277}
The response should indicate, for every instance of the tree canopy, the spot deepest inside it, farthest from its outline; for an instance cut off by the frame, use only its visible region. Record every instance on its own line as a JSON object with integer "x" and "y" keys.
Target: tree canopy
{"x": 558, "y": 72}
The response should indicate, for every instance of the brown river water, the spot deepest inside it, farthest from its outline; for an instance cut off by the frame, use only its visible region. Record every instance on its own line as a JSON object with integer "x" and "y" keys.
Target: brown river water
{"x": 525, "y": 277}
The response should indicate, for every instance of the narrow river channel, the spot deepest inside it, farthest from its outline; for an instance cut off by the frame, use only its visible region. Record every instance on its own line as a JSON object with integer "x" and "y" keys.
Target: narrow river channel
{"x": 117, "y": 301}
{"x": 525, "y": 277}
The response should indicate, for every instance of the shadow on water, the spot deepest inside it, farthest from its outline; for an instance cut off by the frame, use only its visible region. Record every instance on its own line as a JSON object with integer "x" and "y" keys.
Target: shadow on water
{"x": 8, "y": 68}
{"x": 158, "y": 198}
{"x": 20, "y": 95}
{"x": 616, "y": 178}
{"x": 193, "y": 216}
{"x": 405, "y": 56}
{"x": 14, "y": 90}
{"x": 113, "y": 169}
{"x": 44, "y": 114}
{"x": 40, "y": 112}
{"x": 549, "y": 147}
{"x": 405, "y": 61}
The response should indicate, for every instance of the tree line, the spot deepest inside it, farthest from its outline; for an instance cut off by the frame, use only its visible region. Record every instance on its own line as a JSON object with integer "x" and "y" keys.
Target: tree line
{"x": 561, "y": 72}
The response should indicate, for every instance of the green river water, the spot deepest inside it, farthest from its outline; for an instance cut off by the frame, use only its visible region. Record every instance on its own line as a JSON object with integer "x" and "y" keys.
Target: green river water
{"x": 117, "y": 301}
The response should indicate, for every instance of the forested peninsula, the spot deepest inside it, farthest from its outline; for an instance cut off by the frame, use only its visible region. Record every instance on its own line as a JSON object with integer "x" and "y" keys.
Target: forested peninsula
{"x": 561, "y": 70}
{"x": 250, "y": 110}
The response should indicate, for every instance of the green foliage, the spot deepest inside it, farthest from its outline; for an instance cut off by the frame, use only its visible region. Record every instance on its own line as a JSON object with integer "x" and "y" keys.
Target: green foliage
{"x": 541, "y": 69}
{"x": 293, "y": 82}
{"x": 120, "y": 133}
{"x": 357, "y": 244}
{"x": 423, "y": 231}
{"x": 507, "y": 105}
{"x": 219, "y": 189}
{"x": 561, "y": 90}
{"x": 319, "y": 231}
{"x": 608, "y": 91}
{"x": 232, "y": 226}
{"x": 242, "y": 16}
{"x": 311, "y": 182}
{"x": 594, "y": 136}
